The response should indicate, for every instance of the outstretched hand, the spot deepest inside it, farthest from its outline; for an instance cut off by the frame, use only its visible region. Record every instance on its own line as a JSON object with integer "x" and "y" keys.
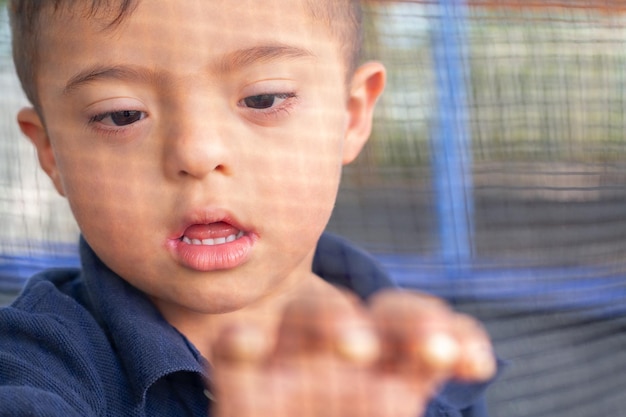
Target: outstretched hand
{"x": 338, "y": 358}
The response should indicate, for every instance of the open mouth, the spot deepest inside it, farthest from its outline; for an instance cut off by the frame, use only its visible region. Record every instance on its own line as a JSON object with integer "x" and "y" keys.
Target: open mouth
{"x": 213, "y": 246}
{"x": 211, "y": 234}
{"x": 213, "y": 241}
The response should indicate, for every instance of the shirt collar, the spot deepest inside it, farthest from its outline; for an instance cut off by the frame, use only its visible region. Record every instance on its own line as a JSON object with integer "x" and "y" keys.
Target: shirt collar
{"x": 147, "y": 345}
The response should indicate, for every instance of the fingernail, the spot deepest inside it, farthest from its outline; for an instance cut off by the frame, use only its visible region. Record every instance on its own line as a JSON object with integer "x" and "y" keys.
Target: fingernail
{"x": 359, "y": 345}
{"x": 483, "y": 364}
{"x": 440, "y": 350}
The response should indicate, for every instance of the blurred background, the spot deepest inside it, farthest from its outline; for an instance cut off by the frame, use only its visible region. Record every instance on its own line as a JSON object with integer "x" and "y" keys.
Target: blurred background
{"x": 496, "y": 178}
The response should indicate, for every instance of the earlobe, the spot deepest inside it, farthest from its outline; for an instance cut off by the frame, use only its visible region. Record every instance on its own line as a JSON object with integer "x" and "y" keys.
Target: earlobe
{"x": 367, "y": 85}
{"x": 32, "y": 126}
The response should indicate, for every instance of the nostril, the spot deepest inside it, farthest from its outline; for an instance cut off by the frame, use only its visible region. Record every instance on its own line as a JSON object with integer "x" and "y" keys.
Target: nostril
{"x": 218, "y": 168}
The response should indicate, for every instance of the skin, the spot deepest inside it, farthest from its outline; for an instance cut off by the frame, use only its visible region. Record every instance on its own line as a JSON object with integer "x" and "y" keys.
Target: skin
{"x": 238, "y": 125}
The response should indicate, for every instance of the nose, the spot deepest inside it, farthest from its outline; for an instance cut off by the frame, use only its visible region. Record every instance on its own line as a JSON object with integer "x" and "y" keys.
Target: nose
{"x": 197, "y": 145}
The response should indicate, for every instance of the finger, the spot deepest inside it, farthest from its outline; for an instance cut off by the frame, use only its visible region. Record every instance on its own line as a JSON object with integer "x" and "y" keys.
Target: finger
{"x": 238, "y": 357}
{"x": 417, "y": 333}
{"x": 358, "y": 344}
{"x": 437, "y": 350}
{"x": 333, "y": 325}
{"x": 476, "y": 360}
{"x": 242, "y": 344}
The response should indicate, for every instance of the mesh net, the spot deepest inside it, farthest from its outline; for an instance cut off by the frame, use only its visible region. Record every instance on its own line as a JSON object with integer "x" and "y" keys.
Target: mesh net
{"x": 545, "y": 89}
{"x": 535, "y": 93}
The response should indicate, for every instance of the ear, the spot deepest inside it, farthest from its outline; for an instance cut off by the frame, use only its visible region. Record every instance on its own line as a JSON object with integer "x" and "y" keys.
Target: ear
{"x": 367, "y": 85}
{"x": 32, "y": 126}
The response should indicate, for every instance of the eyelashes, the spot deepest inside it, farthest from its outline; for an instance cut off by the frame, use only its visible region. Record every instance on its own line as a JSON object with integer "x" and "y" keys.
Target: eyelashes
{"x": 266, "y": 101}
{"x": 270, "y": 106}
{"x": 266, "y": 107}
{"x": 119, "y": 118}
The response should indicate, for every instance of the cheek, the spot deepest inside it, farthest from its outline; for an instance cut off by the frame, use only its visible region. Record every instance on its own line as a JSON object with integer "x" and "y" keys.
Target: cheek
{"x": 104, "y": 193}
{"x": 303, "y": 181}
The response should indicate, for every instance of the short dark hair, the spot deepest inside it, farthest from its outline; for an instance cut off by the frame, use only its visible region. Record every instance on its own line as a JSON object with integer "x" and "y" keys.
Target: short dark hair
{"x": 25, "y": 17}
{"x": 342, "y": 18}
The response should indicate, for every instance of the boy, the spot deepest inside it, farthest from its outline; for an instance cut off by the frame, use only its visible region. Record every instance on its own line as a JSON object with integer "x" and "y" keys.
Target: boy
{"x": 199, "y": 144}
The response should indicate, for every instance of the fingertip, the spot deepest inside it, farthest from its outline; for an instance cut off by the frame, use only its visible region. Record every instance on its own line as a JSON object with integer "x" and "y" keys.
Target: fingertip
{"x": 440, "y": 351}
{"x": 478, "y": 363}
{"x": 242, "y": 344}
{"x": 358, "y": 345}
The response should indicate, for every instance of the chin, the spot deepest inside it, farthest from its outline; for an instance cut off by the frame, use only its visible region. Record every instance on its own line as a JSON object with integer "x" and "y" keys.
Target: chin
{"x": 216, "y": 304}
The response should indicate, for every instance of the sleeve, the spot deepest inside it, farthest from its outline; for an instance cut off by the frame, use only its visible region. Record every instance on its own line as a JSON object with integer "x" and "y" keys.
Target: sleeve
{"x": 464, "y": 399}
{"x": 479, "y": 409}
{"x": 44, "y": 369}
{"x": 441, "y": 407}
{"x": 28, "y": 402}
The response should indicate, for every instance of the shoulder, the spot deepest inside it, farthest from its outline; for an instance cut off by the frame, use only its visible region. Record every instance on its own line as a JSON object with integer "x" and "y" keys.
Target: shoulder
{"x": 48, "y": 340}
{"x": 52, "y": 299}
{"x": 340, "y": 262}
{"x": 51, "y": 284}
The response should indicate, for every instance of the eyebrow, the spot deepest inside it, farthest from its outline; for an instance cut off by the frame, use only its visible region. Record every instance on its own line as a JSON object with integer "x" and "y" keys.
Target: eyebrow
{"x": 225, "y": 64}
{"x": 114, "y": 72}
{"x": 260, "y": 54}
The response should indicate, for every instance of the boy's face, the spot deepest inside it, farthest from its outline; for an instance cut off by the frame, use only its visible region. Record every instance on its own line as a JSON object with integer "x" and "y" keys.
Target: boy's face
{"x": 200, "y": 121}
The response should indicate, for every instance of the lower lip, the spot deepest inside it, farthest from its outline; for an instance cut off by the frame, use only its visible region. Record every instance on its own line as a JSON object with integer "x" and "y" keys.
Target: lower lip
{"x": 207, "y": 258}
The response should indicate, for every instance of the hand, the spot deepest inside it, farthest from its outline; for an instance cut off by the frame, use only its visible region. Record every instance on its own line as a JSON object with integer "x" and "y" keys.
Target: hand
{"x": 336, "y": 357}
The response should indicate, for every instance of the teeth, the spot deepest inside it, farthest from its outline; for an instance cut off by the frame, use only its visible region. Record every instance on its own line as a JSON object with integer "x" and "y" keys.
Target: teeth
{"x": 213, "y": 242}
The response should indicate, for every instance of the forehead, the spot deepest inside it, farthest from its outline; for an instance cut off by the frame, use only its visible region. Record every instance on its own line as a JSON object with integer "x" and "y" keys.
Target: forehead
{"x": 176, "y": 30}
{"x": 181, "y": 40}
{"x": 151, "y": 20}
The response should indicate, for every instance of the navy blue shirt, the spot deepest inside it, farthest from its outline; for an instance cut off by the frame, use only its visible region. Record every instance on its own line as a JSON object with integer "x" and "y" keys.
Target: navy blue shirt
{"x": 83, "y": 343}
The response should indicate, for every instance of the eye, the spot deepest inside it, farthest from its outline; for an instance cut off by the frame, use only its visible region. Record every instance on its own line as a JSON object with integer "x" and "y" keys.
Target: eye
{"x": 265, "y": 101}
{"x": 119, "y": 118}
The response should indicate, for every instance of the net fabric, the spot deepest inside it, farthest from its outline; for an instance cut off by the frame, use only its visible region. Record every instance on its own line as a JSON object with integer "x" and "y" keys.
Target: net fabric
{"x": 545, "y": 85}
{"x": 545, "y": 105}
